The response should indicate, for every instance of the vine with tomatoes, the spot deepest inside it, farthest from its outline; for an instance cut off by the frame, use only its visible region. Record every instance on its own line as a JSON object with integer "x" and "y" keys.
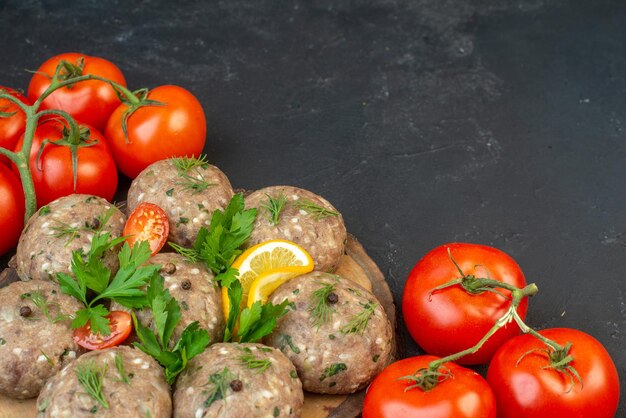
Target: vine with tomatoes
{"x": 77, "y": 127}
{"x": 465, "y": 304}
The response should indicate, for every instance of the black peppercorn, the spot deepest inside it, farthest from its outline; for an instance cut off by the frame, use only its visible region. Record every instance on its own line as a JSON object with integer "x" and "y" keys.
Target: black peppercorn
{"x": 186, "y": 285}
{"x": 236, "y": 385}
{"x": 169, "y": 268}
{"x": 25, "y": 311}
{"x": 93, "y": 224}
{"x": 332, "y": 298}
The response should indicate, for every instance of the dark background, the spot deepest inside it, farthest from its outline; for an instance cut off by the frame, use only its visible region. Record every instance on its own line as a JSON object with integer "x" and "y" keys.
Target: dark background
{"x": 423, "y": 122}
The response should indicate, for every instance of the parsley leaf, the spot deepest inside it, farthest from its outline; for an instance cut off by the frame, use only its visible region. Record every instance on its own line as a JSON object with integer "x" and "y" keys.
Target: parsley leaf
{"x": 219, "y": 245}
{"x": 90, "y": 273}
{"x": 166, "y": 314}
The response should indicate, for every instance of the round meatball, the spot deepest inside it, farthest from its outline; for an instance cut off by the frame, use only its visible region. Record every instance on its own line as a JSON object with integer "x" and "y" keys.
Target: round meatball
{"x": 336, "y": 332}
{"x": 238, "y": 381}
{"x": 133, "y": 385}
{"x": 192, "y": 285}
{"x": 61, "y": 227}
{"x": 35, "y": 336}
{"x": 307, "y": 219}
{"x": 188, "y": 192}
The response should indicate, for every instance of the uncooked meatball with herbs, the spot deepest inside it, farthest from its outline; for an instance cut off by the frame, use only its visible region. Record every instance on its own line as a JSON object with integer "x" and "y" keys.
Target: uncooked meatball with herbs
{"x": 298, "y": 215}
{"x": 336, "y": 333}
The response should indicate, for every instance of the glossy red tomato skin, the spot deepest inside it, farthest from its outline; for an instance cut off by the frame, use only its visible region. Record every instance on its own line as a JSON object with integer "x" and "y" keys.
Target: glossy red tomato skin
{"x": 11, "y": 209}
{"x": 148, "y": 222}
{"x": 175, "y": 129}
{"x": 530, "y": 390}
{"x": 121, "y": 325}
{"x": 53, "y": 175}
{"x": 451, "y": 320}
{"x": 463, "y": 395}
{"x": 13, "y": 127}
{"x": 91, "y": 101}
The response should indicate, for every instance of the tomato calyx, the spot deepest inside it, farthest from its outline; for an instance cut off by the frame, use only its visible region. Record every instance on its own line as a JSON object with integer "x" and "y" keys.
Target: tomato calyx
{"x": 560, "y": 360}
{"x": 138, "y": 100}
{"x": 69, "y": 71}
{"x": 427, "y": 378}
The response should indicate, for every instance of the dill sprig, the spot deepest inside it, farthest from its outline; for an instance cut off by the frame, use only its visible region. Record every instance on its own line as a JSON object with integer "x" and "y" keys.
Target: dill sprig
{"x": 47, "y": 357}
{"x": 192, "y": 179}
{"x": 62, "y": 229}
{"x": 253, "y": 362}
{"x": 358, "y": 322}
{"x": 91, "y": 378}
{"x": 220, "y": 382}
{"x": 119, "y": 365}
{"x": 274, "y": 206}
{"x": 189, "y": 253}
{"x": 41, "y": 302}
{"x": 321, "y": 312}
{"x": 315, "y": 210}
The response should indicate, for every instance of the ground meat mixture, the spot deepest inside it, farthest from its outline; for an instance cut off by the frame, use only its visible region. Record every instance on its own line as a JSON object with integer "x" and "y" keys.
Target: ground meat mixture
{"x": 133, "y": 386}
{"x": 65, "y": 225}
{"x": 232, "y": 380}
{"x": 35, "y": 336}
{"x": 188, "y": 192}
{"x": 306, "y": 219}
{"x": 192, "y": 285}
{"x": 336, "y": 332}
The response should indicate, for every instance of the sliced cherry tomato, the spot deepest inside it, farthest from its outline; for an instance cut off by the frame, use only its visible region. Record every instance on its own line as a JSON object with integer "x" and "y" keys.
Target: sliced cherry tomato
{"x": 449, "y": 320}
{"x": 528, "y": 385}
{"x": 460, "y": 392}
{"x": 12, "y": 127}
{"x": 176, "y": 127}
{"x": 91, "y": 101}
{"x": 121, "y": 325}
{"x": 148, "y": 222}
{"x": 11, "y": 209}
{"x": 51, "y": 163}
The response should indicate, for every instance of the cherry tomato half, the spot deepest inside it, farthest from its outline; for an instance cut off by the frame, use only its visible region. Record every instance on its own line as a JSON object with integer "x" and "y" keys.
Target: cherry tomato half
{"x": 526, "y": 386}
{"x": 121, "y": 325}
{"x": 463, "y": 393}
{"x": 450, "y": 320}
{"x": 148, "y": 222}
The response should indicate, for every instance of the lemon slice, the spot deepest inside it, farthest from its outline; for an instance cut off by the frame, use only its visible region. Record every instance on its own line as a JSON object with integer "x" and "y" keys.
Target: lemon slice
{"x": 264, "y": 285}
{"x": 275, "y": 256}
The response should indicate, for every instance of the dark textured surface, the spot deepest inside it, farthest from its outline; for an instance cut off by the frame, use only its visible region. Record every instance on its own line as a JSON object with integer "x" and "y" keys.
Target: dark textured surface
{"x": 423, "y": 121}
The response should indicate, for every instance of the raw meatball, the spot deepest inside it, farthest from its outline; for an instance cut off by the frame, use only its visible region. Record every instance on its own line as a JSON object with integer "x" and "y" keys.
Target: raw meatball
{"x": 238, "y": 381}
{"x": 35, "y": 342}
{"x": 192, "y": 285}
{"x": 133, "y": 385}
{"x": 65, "y": 225}
{"x": 188, "y": 197}
{"x": 336, "y": 333}
{"x": 307, "y": 219}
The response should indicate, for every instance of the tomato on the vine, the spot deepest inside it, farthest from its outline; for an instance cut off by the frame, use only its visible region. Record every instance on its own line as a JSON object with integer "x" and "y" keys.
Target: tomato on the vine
{"x": 12, "y": 212}
{"x": 121, "y": 325}
{"x": 459, "y": 392}
{"x": 450, "y": 320}
{"x": 527, "y": 385}
{"x": 148, "y": 222}
{"x": 51, "y": 163}
{"x": 90, "y": 101}
{"x": 13, "y": 121}
{"x": 175, "y": 127}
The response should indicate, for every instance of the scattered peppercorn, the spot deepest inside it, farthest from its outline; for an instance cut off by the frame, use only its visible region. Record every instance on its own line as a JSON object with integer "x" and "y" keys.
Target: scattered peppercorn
{"x": 236, "y": 385}
{"x": 186, "y": 285}
{"x": 169, "y": 268}
{"x": 332, "y": 298}
{"x": 25, "y": 311}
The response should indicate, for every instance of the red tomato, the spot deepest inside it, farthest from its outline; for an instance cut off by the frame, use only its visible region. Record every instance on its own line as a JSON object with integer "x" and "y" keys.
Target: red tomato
{"x": 12, "y": 212}
{"x": 464, "y": 394}
{"x": 53, "y": 173}
{"x": 526, "y": 387}
{"x": 121, "y": 325}
{"x": 12, "y": 128}
{"x": 148, "y": 222}
{"x": 175, "y": 129}
{"x": 451, "y": 320}
{"x": 91, "y": 101}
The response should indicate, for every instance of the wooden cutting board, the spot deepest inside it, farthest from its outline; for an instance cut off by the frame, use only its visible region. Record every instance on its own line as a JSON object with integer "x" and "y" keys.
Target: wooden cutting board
{"x": 355, "y": 265}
